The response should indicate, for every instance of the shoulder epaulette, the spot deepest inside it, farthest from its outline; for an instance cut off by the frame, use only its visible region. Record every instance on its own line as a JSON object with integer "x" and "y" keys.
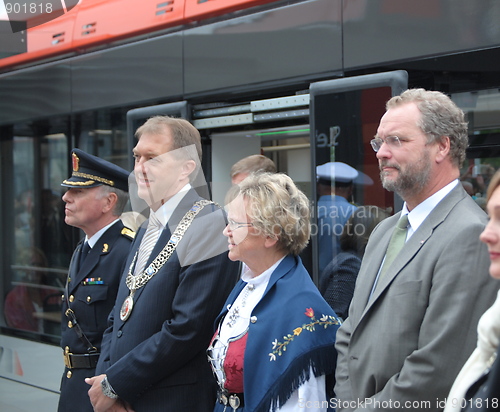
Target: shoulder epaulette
{"x": 127, "y": 232}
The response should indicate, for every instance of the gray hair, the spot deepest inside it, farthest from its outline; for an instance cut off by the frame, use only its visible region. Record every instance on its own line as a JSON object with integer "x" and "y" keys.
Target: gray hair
{"x": 440, "y": 117}
{"x": 122, "y": 198}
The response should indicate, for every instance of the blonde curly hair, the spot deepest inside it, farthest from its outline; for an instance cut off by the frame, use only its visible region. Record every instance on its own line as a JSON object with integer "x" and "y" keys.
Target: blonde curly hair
{"x": 277, "y": 209}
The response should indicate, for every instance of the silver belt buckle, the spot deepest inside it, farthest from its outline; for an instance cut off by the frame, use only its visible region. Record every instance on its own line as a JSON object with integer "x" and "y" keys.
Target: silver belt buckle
{"x": 234, "y": 402}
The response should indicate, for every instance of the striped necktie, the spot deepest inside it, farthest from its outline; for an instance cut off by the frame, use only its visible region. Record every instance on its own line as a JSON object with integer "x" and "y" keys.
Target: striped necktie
{"x": 148, "y": 242}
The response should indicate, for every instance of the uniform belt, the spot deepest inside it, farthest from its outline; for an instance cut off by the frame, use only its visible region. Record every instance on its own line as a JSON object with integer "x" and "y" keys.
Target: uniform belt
{"x": 79, "y": 361}
{"x": 234, "y": 400}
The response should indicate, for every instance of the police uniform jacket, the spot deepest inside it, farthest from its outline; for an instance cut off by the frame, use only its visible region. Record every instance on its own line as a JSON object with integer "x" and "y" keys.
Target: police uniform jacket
{"x": 91, "y": 301}
{"x": 156, "y": 359}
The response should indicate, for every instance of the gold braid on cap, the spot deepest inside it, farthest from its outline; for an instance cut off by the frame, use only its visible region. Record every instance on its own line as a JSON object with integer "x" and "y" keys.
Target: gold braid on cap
{"x": 70, "y": 182}
{"x": 91, "y": 177}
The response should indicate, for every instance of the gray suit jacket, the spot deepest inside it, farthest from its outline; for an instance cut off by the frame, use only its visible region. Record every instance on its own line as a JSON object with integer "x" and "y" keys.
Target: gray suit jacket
{"x": 408, "y": 343}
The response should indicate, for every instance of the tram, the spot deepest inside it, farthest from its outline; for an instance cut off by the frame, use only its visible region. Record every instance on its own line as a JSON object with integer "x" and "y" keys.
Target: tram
{"x": 303, "y": 82}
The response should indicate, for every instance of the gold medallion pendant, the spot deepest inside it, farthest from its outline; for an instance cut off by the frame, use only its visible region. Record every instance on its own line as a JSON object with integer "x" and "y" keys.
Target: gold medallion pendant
{"x": 126, "y": 308}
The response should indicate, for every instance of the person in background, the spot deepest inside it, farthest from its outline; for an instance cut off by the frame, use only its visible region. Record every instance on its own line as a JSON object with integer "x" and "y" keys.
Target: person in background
{"x": 335, "y": 182}
{"x": 251, "y": 164}
{"x": 274, "y": 343}
{"x": 176, "y": 279}
{"x": 407, "y": 334}
{"x": 339, "y": 277}
{"x": 26, "y": 304}
{"x": 477, "y": 386}
{"x": 95, "y": 198}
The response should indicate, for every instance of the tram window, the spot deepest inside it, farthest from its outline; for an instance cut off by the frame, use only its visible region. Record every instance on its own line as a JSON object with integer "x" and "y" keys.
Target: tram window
{"x": 37, "y": 251}
{"x": 104, "y": 135}
{"x": 482, "y": 109}
{"x": 39, "y": 242}
{"x": 288, "y": 147}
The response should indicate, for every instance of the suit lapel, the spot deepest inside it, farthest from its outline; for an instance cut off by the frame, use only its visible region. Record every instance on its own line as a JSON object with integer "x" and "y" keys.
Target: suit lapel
{"x": 411, "y": 248}
{"x": 371, "y": 262}
{"x": 73, "y": 268}
{"x": 101, "y": 248}
{"x": 87, "y": 266}
{"x": 185, "y": 204}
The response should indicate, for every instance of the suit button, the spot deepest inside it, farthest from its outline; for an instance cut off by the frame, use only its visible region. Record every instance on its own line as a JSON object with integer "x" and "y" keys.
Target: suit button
{"x": 89, "y": 299}
{"x": 353, "y": 358}
{"x": 253, "y": 319}
{"x": 70, "y": 324}
{"x": 119, "y": 334}
{"x": 69, "y": 279}
{"x": 69, "y": 374}
{"x": 71, "y": 298}
{"x": 62, "y": 298}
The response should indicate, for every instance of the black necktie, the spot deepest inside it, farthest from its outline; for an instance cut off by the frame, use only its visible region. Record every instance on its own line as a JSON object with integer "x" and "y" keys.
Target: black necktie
{"x": 84, "y": 251}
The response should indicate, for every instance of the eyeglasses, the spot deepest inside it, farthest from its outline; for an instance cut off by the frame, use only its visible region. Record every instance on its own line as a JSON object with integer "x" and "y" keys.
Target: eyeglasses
{"x": 236, "y": 225}
{"x": 392, "y": 141}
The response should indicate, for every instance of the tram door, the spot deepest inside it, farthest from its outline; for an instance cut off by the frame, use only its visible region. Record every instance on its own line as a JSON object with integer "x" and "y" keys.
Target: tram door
{"x": 344, "y": 116}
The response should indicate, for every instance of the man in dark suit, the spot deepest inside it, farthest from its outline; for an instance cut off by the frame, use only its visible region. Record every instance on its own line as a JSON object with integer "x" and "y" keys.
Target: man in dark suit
{"x": 411, "y": 322}
{"x": 154, "y": 351}
{"x": 96, "y": 196}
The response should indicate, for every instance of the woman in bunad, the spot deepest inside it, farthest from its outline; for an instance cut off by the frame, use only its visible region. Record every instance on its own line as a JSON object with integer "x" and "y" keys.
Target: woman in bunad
{"x": 477, "y": 386}
{"x": 273, "y": 349}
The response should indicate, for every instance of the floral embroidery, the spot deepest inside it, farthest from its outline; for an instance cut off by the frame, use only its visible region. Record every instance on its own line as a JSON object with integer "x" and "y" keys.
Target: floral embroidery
{"x": 325, "y": 321}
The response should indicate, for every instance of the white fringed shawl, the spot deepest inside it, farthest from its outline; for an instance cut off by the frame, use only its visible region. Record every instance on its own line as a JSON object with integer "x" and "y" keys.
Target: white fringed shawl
{"x": 488, "y": 331}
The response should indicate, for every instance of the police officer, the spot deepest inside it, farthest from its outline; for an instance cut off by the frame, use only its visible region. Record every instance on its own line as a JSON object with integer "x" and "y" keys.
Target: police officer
{"x": 95, "y": 199}
{"x": 335, "y": 182}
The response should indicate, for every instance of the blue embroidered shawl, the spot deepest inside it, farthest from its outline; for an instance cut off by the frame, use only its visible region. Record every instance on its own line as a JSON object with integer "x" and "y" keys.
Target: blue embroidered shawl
{"x": 292, "y": 330}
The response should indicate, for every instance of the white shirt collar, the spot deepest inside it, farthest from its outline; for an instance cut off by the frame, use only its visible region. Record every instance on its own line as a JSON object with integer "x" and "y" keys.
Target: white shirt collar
{"x": 417, "y": 216}
{"x": 96, "y": 236}
{"x": 164, "y": 213}
{"x": 263, "y": 277}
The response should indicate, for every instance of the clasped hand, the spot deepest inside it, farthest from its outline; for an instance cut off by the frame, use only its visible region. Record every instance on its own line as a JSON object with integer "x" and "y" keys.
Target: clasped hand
{"x": 102, "y": 403}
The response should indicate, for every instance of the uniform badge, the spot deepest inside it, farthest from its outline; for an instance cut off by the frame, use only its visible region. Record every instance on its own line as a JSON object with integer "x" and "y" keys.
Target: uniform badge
{"x": 76, "y": 162}
{"x": 128, "y": 233}
{"x": 105, "y": 248}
